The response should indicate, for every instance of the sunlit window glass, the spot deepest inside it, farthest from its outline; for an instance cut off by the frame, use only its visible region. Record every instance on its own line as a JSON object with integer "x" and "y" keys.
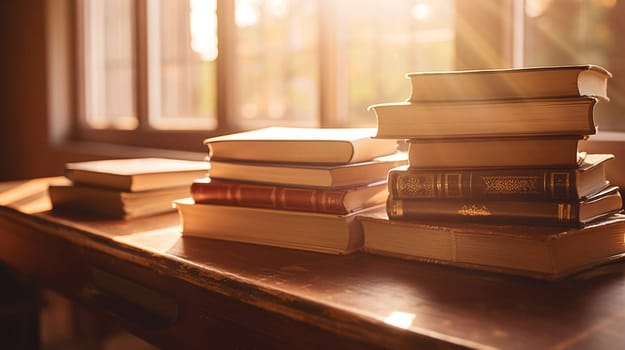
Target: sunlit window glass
{"x": 561, "y": 32}
{"x": 109, "y": 64}
{"x": 388, "y": 39}
{"x": 277, "y": 63}
{"x": 185, "y": 83}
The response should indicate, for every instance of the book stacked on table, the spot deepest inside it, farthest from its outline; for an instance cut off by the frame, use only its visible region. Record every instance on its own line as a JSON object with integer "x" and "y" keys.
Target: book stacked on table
{"x": 124, "y": 188}
{"x": 489, "y": 152}
{"x": 291, "y": 187}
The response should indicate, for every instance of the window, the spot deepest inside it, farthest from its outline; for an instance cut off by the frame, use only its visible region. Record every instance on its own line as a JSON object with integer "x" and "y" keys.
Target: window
{"x": 588, "y": 31}
{"x": 169, "y": 73}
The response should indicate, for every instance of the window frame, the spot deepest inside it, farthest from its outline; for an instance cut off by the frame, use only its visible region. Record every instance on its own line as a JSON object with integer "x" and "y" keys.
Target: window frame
{"x": 506, "y": 51}
{"x": 330, "y": 102}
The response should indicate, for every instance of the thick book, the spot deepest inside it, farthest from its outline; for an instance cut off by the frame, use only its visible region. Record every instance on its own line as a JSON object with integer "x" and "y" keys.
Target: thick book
{"x": 494, "y": 152}
{"x": 566, "y": 213}
{"x": 323, "y": 233}
{"x": 545, "y": 252}
{"x": 136, "y": 174}
{"x": 331, "y": 201}
{"x": 115, "y": 204}
{"x": 496, "y": 118}
{"x": 318, "y": 176}
{"x": 301, "y": 145}
{"x": 545, "y": 183}
{"x": 530, "y": 82}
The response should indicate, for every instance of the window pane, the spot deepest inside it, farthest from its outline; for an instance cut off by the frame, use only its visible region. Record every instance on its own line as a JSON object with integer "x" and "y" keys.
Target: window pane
{"x": 277, "y": 63}
{"x": 386, "y": 41}
{"x": 109, "y": 74}
{"x": 581, "y": 32}
{"x": 188, "y": 50}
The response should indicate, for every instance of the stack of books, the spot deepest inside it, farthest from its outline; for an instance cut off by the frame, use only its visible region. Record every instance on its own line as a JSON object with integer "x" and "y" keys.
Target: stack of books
{"x": 124, "y": 188}
{"x": 298, "y": 188}
{"x": 491, "y": 148}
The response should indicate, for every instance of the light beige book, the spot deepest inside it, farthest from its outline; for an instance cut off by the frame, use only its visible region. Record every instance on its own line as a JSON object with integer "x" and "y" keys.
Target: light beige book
{"x": 487, "y": 118}
{"x": 545, "y": 252}
{"x": 111, "y": 203}
{"x": 317, "y": 176}
{"x": 324, "y": 233}
{"x": 301, "y": 145}
{"x": 136, "y": 174}
{"x": 529, "y": 82}
{"x": 495, "y": 152}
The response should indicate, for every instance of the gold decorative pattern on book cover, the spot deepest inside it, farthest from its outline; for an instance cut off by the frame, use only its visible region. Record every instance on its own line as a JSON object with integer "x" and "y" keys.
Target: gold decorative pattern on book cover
{"x": 417, "y": 186}
{"x": 510, "y": 184}
{"x": 474, "y": 210}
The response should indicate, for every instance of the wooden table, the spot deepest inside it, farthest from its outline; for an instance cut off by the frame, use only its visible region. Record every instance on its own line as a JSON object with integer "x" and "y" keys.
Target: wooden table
{"x": 195, "y": 293}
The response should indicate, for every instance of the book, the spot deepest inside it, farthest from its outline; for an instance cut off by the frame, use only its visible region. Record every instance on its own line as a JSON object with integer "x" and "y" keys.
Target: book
{"x": 136, "y": 174}
{"x": 324, "y": 233}
{"x": 318, "y": 176}
{"x": 332, "y": 201}
{"x": 494, "y": 152}
{"x": 496, "y": 118}
{"x": 545, "y": 252}
{"x": 545, "y": 183}
{"x": 568, "y": 213}
{"x": 490, "y": 84}
{"x": 111, "y": 203}
{"x": 301, "y": 145}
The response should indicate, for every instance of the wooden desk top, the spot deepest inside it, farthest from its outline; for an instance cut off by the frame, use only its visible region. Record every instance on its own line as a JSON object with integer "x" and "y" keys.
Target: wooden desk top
{"x": 378, "y": 301}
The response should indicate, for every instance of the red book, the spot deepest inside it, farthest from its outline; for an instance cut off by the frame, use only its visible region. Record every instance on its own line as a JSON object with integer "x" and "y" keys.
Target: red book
{"x": 332, "y": 201}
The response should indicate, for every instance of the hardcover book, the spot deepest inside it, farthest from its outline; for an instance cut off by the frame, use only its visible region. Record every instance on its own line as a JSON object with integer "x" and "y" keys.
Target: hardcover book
{"x": 332, "y": 201}
{"x": 318, "y": 176}
{"x": 301, "y": 145}
{"x": 496, "y": 118}
{"x": 324, "y": 233}
{"x": 111, "y": 203}
{"x": 494, "y": 152}
{"x": 568, "y": 213}
{"x": 545, "y": 252}
{"x": 531, "y": 82}
{"x": 136, "y": 174}
{"x": 548, "y": 183}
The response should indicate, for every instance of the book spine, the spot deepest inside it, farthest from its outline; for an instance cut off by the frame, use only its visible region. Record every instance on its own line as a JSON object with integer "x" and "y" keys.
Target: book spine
{"x": 526, "y": 184}
{"x": 273, "y": 197}
{"x": 564, "y": 213}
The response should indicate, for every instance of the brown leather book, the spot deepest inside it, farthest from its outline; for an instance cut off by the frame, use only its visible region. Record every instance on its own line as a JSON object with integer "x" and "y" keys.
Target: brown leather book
{"x": 332, "y": 201}
{"x": 568, "y": 213}
{"x": 550, "y": 183}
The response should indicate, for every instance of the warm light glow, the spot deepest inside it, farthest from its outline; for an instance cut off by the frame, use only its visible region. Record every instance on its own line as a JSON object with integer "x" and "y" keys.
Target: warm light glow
{"x": 400, "y": 319}
{"x": 421, "y": 11}
{"x": 28, "y": 197}
{"x": 204, "y": 28}
{"x": 609, "y": 3}
{"x": 160, "y": 240}
{"x": 535, "y": 8}
{"x": 246, "y": 14}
